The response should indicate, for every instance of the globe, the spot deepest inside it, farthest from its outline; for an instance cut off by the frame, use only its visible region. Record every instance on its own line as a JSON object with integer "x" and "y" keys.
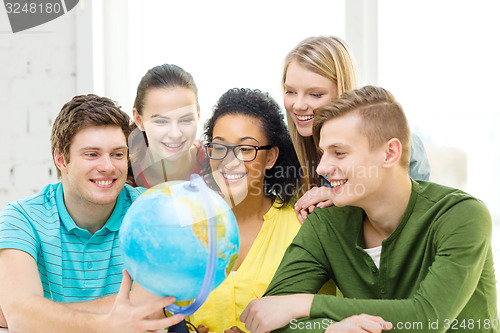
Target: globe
{"x": 167, "y": 243}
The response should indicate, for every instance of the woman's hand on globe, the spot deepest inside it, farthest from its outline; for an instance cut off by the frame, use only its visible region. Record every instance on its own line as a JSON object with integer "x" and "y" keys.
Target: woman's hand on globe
{"x": 234, "y": 329}
{"x": 203, "y": 329}
{"x": 126, "y": 317}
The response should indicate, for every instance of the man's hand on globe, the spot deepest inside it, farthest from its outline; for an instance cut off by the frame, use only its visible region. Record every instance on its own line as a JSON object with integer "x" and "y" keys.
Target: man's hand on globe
{"x": 126, "y": 317}
{"x": 139, "y": 296}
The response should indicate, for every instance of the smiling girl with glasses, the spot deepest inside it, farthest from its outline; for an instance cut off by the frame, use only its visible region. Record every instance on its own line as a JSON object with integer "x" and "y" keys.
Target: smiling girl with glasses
{"x": 253, "y": 164}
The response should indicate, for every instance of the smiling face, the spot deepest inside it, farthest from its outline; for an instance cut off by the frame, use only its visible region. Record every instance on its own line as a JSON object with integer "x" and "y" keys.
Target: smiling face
{"x": 306, "y": 91}
{"x": 170, "y": 119}
{"x": 235, "y": 178}
{"x": 97, "y": 167}
{"x": 350, "y": 166}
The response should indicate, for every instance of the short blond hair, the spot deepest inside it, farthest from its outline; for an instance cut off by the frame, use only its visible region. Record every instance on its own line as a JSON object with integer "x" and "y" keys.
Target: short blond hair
{"x": 382, "y": 117}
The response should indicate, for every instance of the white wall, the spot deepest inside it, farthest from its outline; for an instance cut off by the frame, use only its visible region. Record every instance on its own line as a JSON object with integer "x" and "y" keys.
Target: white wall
{"x": 37, "y": 76}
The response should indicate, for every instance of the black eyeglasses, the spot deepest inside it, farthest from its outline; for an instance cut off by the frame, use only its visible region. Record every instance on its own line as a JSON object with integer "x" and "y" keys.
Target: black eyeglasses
{"x": 245, "y": 153}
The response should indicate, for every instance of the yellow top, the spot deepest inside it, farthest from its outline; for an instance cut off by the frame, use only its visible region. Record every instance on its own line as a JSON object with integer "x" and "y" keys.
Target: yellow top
{"x": 224, "y": 305}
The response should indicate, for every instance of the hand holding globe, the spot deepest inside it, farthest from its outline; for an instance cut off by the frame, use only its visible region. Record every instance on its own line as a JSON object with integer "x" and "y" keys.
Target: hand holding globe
{"x": 180, "y": 239}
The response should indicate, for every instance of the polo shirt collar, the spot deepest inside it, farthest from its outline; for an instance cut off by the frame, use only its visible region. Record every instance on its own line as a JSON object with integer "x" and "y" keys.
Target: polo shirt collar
{"x": 112, "y": 224}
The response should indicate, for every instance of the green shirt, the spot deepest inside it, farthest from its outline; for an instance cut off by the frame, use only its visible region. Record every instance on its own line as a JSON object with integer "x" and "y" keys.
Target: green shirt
{"x": 436, "y": 268}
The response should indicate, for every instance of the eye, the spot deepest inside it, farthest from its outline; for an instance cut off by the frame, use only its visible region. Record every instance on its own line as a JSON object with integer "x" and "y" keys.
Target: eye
{"x": 317, "y": 95}
{"x": 119, "y": 155}
{"x": 90, "y": 155}
{"x": 159, "y": 121}
{"x": 289, "y": 92}
{"x": 187, "y": 121}
{"x": 246, "y": 149}
{"x": 340, "y": 154}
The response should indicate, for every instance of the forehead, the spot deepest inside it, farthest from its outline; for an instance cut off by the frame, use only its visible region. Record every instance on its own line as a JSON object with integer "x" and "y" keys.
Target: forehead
{"x": 342, "y": 131}
{"x": 234, "y": 127}
{"x": 174, "y": 101}
{"x": 102, "y": 137}
{"x": 298, "y": 75}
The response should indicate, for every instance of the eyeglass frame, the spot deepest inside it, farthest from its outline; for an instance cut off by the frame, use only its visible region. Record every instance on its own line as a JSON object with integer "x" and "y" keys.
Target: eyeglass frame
{"x": 233, "y": 147}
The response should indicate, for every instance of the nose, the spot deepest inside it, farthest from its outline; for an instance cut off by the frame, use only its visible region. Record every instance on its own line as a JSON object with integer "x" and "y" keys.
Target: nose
{"x": 174, "y": 132}
{"x": 300, "y": 103}
{"x": 230, "y": 161}
{"x": 105, "y": 164}
{"x": 325, "y": 167}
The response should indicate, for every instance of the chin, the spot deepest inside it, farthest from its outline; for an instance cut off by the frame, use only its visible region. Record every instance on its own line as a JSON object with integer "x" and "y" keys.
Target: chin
{"x": 107, "y": 200}
{"x": 174, "y": 156}
{"x": 304, "y": 132}
{"x": 233, "y": 194}
{"x": 343, "y": 202}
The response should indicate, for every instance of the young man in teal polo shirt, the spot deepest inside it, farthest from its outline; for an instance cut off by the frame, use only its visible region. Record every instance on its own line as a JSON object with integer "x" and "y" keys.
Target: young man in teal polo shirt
{"x": 411, "y": 256}
{"x": 60, "y": 258}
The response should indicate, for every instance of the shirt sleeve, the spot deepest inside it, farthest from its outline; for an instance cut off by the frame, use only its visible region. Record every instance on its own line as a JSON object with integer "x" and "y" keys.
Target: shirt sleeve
{"x": 304, "y": 268}
{"x": 462, "y": 240}
{"x": 420, "y": 168}
{"x": 16, "y": 231}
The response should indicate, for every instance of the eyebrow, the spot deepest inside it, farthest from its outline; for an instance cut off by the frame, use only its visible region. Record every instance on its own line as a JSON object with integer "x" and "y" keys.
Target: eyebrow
{"x": 241, "y": 139}
{"x": 339, "y": 145}
{"x": 99, "y": 148}
{"x": 190, "y": 114}
{"x": 335, "y": 145}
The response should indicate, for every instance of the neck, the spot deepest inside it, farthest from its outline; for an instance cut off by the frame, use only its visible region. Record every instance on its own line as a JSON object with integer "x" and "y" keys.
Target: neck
{"x": 87, "y": 215}
{"x": 254, "y": 206}
{"x": 385, "y": 211}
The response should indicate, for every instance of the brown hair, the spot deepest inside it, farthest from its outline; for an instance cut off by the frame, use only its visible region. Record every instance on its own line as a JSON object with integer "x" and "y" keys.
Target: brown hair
{"x": 382, "y": 117}
{"x": 330, "y": 57}
{"x": 161, "y": 76}
{"x": 81, "y": 112}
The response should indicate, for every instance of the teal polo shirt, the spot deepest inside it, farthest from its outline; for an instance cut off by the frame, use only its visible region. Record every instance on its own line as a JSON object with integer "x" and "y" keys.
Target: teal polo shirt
{"x": 73, "y": 264}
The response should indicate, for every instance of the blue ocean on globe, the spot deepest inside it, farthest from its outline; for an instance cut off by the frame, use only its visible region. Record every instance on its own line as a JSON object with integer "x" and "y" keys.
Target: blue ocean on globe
{"x": 164, "y": 238}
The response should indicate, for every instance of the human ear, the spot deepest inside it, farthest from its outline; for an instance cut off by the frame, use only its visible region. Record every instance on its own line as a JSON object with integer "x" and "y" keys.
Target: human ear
{"x": 60, "y": 161}
{"x": 272, "y": 156}
{"x": 393, "y": 151}
{"x": 138, "y": 119}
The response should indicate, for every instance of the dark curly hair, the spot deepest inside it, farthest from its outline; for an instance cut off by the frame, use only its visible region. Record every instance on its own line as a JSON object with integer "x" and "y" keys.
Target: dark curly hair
{"x": 281, "y": 181}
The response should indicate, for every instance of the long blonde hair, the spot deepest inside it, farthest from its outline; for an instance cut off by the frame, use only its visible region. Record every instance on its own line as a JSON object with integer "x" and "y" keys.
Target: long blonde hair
{"x": 330, "y": 57}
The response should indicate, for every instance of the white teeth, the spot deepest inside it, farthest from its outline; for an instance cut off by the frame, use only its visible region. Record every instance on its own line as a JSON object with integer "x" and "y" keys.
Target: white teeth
{"x": 173, "y": 145}
{"x": 233, "y": 176}
{"x": 103, "y": 182}
{"x": 336, "y": 183}
{"x": 304, "y": 118}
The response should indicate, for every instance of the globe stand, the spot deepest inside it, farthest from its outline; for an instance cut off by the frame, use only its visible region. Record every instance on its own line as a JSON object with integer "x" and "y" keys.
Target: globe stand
{"x": 180, "y": 327}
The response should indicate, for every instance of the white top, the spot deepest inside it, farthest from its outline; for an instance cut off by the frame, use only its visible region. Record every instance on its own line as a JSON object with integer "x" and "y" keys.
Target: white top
{"x": 375, "y": 252}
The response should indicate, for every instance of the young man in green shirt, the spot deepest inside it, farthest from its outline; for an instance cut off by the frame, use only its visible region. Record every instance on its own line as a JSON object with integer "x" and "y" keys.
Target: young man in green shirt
{"x": 414, "y": 253}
